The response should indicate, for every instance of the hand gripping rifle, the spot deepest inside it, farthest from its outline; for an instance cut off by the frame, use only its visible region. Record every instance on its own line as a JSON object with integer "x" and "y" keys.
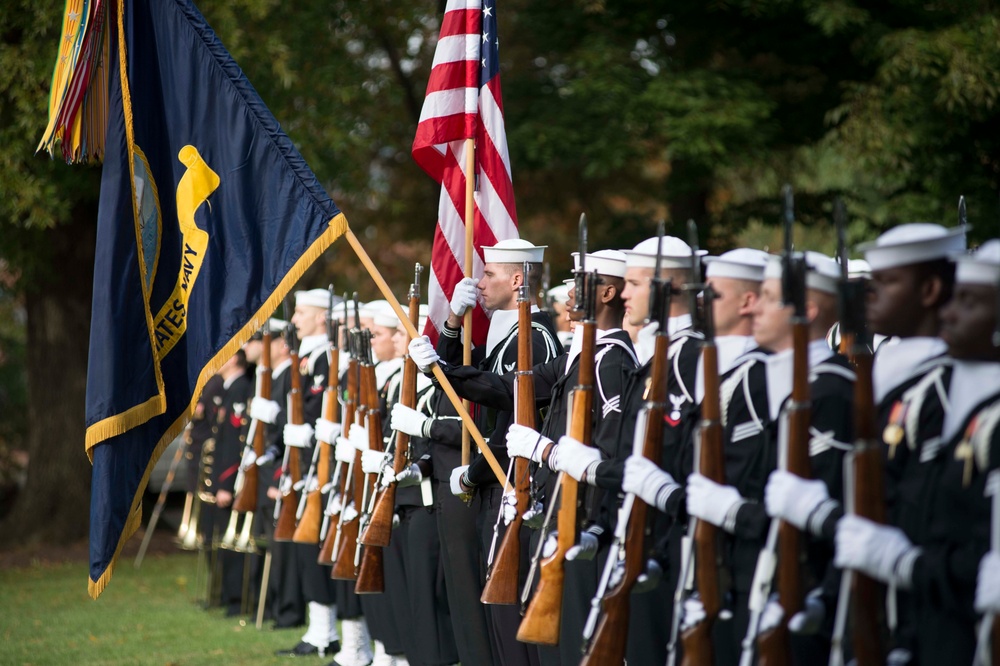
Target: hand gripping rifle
{"x": 311, "y": 511}
{"x": 773, "y": 646}
{"x": 368, "y": 559}
{"x": 338, "y": 490}
{"x": 354, "y": 411}
{"x": 502, "y": 578}
{"x": 379, "y": 528}
{"x": 697, "y": 640}
{"x": 606, "y": 631}
{"x": 291, "y": 472}
{"x": 863, "y": 482}
{"x": 542, "y": 620}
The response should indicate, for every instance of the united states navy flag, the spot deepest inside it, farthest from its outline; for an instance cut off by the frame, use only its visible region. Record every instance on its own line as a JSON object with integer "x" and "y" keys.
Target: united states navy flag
{"x": 208, "y": 216}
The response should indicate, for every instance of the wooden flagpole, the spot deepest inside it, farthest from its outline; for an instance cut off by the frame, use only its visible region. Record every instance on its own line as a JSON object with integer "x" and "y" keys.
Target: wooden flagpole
{"x": 470, "y": 219}
{"x": 449, "y": 390}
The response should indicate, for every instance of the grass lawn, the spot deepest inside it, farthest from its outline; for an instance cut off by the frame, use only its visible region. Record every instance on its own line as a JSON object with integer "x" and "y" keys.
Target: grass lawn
{"x": 145, "y": 617}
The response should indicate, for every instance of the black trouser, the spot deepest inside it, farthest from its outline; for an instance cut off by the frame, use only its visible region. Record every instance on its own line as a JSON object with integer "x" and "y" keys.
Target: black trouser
{"x": 504, "y": 621}
{"x": 463, "y": 578}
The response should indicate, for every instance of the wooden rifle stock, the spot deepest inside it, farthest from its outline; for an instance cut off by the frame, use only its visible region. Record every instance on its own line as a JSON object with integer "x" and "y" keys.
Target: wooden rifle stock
{"x": 371, "y": 578}
{"x": 607, "y": 646}
{"x": 326, "y": 554}
{"x": 379, "y": 529}
{"x": 285, "y": 529}
{"x": 307, "y": 530}
{"x": 347, "y": 531}
{"x": 502, "y": 578}
{"x": 867, "y": 594}
{"x": 697, "y": 640}
{"x": 246, "y": 497}
{"x": 773, "y": 646}
{"x": 543, "y": 618}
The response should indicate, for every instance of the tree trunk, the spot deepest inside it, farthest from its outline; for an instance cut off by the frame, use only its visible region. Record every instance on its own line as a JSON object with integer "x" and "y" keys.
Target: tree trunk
{"x": 54, "y": 506}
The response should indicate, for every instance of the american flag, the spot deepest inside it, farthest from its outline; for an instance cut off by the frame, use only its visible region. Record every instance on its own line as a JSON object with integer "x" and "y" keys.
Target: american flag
{"x": 463, "y": 100}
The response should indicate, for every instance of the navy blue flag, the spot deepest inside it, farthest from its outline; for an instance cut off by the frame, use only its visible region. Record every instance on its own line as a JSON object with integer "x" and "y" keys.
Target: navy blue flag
{"x": 208, "y": 216}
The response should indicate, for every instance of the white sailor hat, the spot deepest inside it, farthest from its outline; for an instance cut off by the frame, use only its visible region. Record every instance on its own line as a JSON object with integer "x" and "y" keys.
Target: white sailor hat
{"x": 559, "y": 293}
{"x": 605, "y": 262}
{"x": 338, "y": 310}
{"x": 317, "y": 298}
{"x": 514, "y": 251}
{"x": 371, "y": 308}
{"x": 915, "y": 243}
{"x": 822, "y": 274}
{"x": 381, "y": 314}
{"x": 741, "y": 264}
{"x": 675, "y": 253}
{"x": 980, "y": 267}
{"x": 423, "y": 310}
{"x": 276, "y": 326}
{"x": 858, "y": 268}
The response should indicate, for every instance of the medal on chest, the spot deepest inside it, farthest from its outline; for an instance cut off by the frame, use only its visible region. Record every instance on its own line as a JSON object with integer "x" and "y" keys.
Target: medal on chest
{"x": 964, "y": 451}
{"x": 894, "y": 433}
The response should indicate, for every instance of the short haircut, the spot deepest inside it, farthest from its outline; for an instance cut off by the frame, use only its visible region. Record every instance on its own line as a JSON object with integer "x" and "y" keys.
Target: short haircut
{"x": 534, "y": 275}
{"x": 942, "y": 269}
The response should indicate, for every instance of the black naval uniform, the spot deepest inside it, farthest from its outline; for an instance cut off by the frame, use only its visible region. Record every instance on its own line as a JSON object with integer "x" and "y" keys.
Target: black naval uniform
{"x": 231, "y": 438}
{"x": 202, "y": 424}
{"x": 428, "y": 637}
{"x": 651, "y": 611}
{"x": 553, "y": 381}
{"x": 493, "y": 424}
{"x": 462, "y": 566}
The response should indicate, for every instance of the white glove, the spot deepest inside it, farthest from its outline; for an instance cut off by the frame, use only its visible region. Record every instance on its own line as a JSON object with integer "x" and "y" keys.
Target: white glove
{"x": 249, "y": 458}
{"x": 575, "y": 458}
{"x": 350, "y": 513}
{"x": 344, "y": 451}
{"x": 645, "y": 343}
{"x": 411, "y": 476}
{"x": 646, "y": 480}
{"x": 456, "y": 480}
{"x": 585, "y": 549}
{"x": 525, "y": 442}
{"x": 298, "y": 436}
{"x": 264, "y": 410}
{"x": 792, "y": 498}
{"x": 327, "y": 431}
{"x": 881, "y": 551}
{"x": 693, "y": 612}
{"x": 712, "y": 502}
{"x": 771, "y": 616}
{"x": 359, "y": 437}
{"x": 809, "y": 620}
{"x": 535, "y": 516}
{"x": 645, "y": 582}
{"x": 373, "y": 461}
{"x": 898, "y": 657}
{"x": 422, "y": 353}
{"x": 464, "y": 296}
{"x": 508, "y": 507}
{"x": 988, "y": 584}
{"x": 335, "y": 505}
{"x": 408, "y": 420}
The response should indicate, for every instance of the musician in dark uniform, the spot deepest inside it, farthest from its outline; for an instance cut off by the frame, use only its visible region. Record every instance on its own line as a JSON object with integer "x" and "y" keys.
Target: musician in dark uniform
{"x": 912, "y": 277}
{"x": 939, "y": 568}
{"x": 502, "y": 277}
{"x": 230, "y": 440}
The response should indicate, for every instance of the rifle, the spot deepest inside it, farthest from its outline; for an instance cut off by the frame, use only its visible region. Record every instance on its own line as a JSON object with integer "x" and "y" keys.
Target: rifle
{"x": 310, "y": 507}
{"x": 347, "y": 529}
{"x": 697, "y": 640}
{"x": 606, "y": 631}
{"x": 287, "y": 503}
{"x": 864, "y": 464}
{"x": 773, "y": 646}
{"x": 544, "y": 615}
{"x": 246, "y": 494}
{"x": 338, "y": 488}
{"x": 379, "y": 528}
{"x": 368, "y": 559}
{"x": 502, "y": 577}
